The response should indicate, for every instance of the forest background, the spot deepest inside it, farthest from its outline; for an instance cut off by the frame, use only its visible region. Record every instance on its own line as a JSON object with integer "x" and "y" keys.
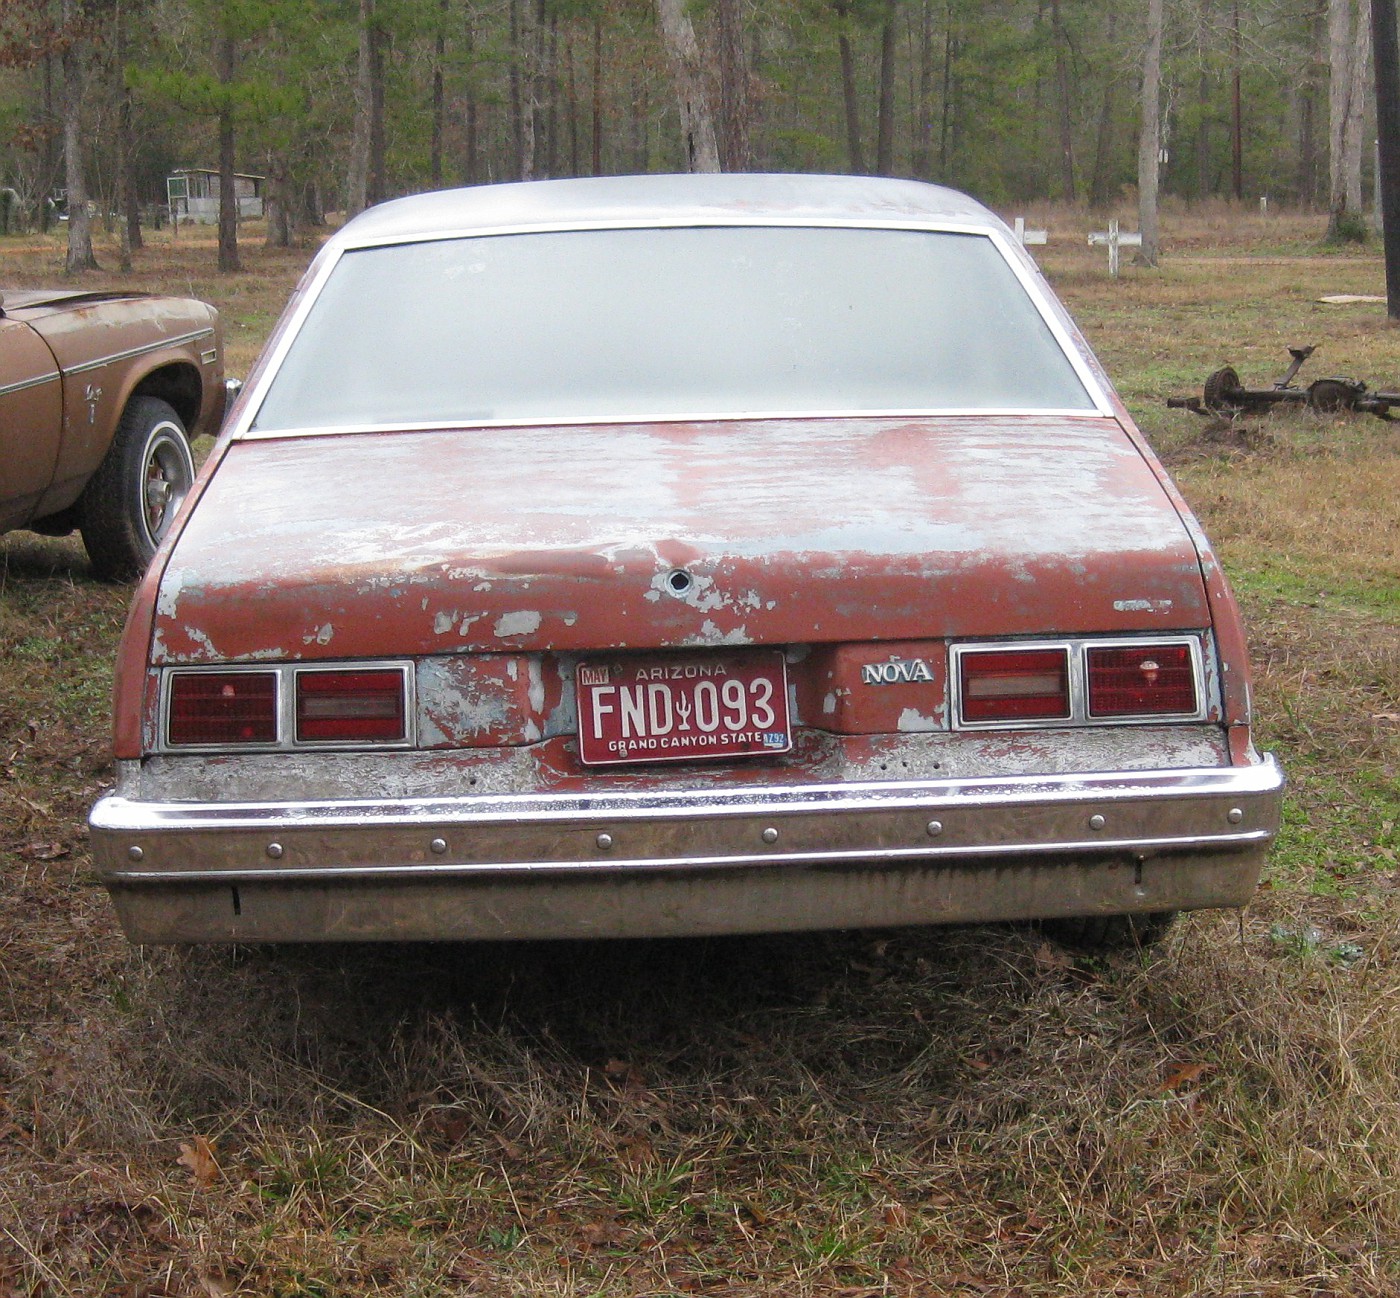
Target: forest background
{"x": 342, "y": 103}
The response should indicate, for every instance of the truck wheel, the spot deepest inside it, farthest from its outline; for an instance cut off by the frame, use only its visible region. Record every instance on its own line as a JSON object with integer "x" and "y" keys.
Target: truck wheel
{"x": 128, "y": 504}
{"x": 1107, "y": 932}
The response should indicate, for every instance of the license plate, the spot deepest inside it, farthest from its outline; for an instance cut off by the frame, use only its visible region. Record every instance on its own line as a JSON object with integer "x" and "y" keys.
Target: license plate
{"x": 678, "y": 709}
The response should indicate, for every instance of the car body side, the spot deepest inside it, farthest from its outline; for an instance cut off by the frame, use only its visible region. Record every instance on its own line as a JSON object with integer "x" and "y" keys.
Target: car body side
{"x": 70, "y": 364}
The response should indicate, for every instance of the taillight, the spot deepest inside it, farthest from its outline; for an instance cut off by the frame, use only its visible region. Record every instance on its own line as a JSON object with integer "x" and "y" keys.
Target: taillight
{"x": 222, "y": 708}
{"x": 1014, "y": 684}
{"x": 350, "y": 706}
{"x": 1151, "y": 680}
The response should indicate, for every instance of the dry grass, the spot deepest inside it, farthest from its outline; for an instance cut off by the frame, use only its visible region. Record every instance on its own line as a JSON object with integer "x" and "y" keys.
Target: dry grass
{"x": 969, "y": 1111}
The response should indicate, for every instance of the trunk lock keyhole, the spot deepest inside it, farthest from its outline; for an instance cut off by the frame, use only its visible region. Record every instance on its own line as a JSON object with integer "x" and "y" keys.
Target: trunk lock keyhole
{"x": 679, "y": 582}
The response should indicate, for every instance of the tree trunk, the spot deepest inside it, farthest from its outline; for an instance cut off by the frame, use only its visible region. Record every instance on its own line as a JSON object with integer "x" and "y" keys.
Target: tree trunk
{"x": 923, "y": 124}
{"x": 277, "y": 205}
{"x": 1386, "y": 56}
{"x": 471, "y": 165}
{"x": 123, "y": 143}
{"x": 1149, "y": 137}
{"x": 1203, "y": 88}
{"x": 735, "y": 91}
{"x": 1064, "y": 92}
{"x": 439, "y": 99}
{"x": 1352, "y": 141}
{"x": 551, "y": 99}
{"x": 641, "y": 135}
{"x": 1347, "y": 36}
{"x": 699, "y": 146}
{"x": 313, "y": 212}
{"x": 855, "y": 155}
{"x": 884, "y": 122}
{"x": 522, "y": 87}
{"x": 1099, "y": 185}
{"x": 597, "y": 151}
{"x": 43, "y": 216}
{"x": 571, "y": 104}
{"x": 515, "y": 93}
{"x": 948, "y": 127}
{"x": 357, "y": 183}
{"x": 1309, "y": 169}
{"x": 80, "y": 255}
{"x": 228, "y": 190}
{"x": 1237, "y": 109}
{"x": 378, "y": 189}
{"x": 1338, "y": 94}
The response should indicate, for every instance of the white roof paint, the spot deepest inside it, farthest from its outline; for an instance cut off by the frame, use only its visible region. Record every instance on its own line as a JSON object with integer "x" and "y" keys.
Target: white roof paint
{"x": 663, "y": 199}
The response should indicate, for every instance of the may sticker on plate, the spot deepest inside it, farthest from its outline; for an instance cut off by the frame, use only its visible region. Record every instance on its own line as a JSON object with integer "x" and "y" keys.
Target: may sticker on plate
{"x": 682, "y": 707}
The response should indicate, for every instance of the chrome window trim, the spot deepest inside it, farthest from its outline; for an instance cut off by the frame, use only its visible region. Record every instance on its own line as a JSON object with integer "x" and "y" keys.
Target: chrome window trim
{"x": 1077, "y": 648}
{"x": 728, "y": 417}
{"x": 285, "y": 703}
{"x": 1051, "y": 315}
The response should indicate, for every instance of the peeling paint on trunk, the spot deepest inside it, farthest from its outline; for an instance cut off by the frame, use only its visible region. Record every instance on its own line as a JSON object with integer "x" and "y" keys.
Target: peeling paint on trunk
{"x": 788, "y": 531}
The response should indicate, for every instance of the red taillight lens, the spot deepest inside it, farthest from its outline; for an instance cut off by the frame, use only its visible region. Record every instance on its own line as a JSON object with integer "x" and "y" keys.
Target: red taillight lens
{"x": 1149, "y": 680}
{"x": 222, "y": 708}
{"x": 354, "y": 707}
{"x": 1015, "y": 685}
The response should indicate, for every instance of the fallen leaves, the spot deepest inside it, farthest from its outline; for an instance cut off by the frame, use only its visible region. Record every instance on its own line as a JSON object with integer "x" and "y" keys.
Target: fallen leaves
{"x": 41, "y": 851}
{"x": 217, "y": 1286}
{"x": 1182, "y": 1077}
{"x": 198, "y": 1156}
{"x": 624, "y": 1075}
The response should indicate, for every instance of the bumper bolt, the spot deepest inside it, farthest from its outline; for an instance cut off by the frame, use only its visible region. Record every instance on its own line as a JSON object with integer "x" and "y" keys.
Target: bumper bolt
{"x": 1097, "y": 822}
{"x": 438, "y": 846}
{"x": 1234, "y": 815}
{"x": 135, "y": 854}
{"x": 274, "y": 850}
{"x": 604, "y": 842}
{"x": 770, "y": 835}
{"x": 934, "y": 828}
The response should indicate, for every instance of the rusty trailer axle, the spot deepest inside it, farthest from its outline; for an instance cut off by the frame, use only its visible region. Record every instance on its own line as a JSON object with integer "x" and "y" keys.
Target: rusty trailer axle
{"x": 1225, "y": 396}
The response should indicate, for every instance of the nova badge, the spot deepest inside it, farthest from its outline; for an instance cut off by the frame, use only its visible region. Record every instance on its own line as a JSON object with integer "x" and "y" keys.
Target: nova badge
{"x": 898, "y": 671}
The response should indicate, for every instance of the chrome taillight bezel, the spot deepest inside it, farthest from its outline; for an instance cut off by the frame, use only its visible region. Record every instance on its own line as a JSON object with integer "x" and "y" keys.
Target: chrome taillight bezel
{"x": 286, "y": 674}
{"x": 1077, "y": 651}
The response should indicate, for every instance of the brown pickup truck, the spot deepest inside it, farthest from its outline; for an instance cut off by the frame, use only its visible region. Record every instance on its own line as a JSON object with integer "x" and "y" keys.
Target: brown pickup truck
{"x": 100, "y": 394}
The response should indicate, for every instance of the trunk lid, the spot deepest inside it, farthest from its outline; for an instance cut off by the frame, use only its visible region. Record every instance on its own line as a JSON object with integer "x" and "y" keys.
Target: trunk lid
{"x": 570, "y": 538}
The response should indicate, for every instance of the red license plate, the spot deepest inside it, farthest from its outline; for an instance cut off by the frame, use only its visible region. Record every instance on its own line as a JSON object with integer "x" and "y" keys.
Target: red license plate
{"x": 678, "y": 709}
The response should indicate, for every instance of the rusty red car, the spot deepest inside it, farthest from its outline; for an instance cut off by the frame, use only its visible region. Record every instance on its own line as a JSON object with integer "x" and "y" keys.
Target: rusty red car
{"x": 100, "y": 395}
{"x": 679, "y": 555}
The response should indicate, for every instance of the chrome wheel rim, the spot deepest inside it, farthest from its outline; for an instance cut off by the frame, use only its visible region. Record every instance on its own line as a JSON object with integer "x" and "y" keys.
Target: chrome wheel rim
{"x": 166, "y": 480}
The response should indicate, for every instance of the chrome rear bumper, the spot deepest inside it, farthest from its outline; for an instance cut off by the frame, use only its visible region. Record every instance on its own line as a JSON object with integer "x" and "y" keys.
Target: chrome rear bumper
{"x": 695, "y": 861}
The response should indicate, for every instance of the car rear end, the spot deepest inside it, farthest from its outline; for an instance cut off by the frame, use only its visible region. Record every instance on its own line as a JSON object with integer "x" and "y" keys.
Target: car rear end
{"x": 863, "y": 654}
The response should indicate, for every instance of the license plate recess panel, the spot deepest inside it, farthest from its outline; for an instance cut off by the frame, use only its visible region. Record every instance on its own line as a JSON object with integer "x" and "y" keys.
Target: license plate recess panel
{"x": 682, "y": 707}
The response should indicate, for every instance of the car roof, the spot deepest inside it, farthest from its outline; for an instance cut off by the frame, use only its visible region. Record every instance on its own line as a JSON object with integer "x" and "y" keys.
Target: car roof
{"x": 663, "y": 199}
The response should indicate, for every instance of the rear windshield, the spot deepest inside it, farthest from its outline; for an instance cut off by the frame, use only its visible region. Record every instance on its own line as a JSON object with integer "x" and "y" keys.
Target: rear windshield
{"x": 669, "y": 323}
